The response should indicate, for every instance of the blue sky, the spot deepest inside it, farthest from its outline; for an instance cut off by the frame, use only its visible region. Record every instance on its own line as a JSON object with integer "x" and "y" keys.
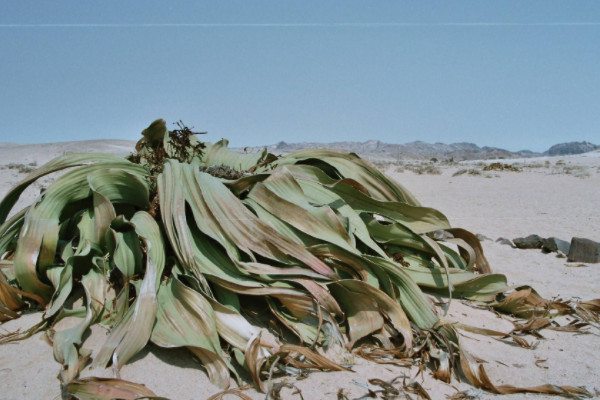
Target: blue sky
{"x": 511, "y": 74}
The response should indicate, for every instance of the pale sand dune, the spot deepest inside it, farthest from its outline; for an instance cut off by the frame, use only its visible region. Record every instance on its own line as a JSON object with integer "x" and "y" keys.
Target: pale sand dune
{"x": 511, "y": 204}
{"x": 44, "y": 152}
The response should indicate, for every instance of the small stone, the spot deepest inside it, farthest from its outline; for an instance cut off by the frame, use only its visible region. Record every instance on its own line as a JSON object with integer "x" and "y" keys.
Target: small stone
{"x": 503, "y": 240}
{"x": 554, "y": 245}
{"x": 529, "y": 242}
{"x": 482, "y": 237}
{"x": 584, "y": 250}
{"x": 441, "y": 234}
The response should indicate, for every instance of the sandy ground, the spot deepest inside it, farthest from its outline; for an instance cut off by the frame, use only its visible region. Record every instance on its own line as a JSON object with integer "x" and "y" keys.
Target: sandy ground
{"x": 556, "y": 196}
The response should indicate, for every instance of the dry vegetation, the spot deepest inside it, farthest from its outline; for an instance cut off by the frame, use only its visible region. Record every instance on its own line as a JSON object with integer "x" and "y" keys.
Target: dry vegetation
{"x": 21, "y": 168}
{"x": 485, "y": 169}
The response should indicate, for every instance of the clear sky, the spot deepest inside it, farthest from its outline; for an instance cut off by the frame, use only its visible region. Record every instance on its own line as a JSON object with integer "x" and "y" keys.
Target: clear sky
{"x": 511, "y": 74}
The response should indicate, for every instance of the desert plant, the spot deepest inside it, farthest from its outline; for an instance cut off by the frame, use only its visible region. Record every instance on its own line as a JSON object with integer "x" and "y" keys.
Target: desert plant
{"x": 470, "y": 171}
{"x": 496, "y": 166}
{"x": 189, "y": 244}
{"x": 22, "y": 168}
{"x": 420, "y": 168}
{"x": 427, "y": 169}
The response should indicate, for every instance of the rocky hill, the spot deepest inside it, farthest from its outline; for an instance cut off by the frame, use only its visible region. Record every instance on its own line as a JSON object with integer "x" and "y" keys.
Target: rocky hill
{"x": 563, "y": 149}
{"x": 413, "y": 150}
{"x": 371, "y": 149}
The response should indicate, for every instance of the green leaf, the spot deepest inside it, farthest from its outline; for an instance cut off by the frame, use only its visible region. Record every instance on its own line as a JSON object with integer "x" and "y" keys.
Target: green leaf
{"x": 132, "y": 333}
{"x": 57, "y": 164}
{"x": 417, "y": 219}
{"x": 219, "y": 154}
{"x": 37, "y": 244}
{"x": 349, "y": 165}
{"x": 374, "y": 300}
{"x": 186, "y": 319}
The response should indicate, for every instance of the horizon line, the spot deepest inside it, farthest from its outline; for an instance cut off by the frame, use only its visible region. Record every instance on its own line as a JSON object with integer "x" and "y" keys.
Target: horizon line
{"x": 300, "y": 25}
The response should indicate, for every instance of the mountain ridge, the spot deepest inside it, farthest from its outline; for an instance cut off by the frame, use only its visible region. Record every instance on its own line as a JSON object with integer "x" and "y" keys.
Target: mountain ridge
{"x": 374, "y": 149}
{"x": 423, "y": 150}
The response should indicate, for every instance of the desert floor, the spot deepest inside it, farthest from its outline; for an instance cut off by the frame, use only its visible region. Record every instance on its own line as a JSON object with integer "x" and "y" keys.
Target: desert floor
{"x": 554, "y": 196}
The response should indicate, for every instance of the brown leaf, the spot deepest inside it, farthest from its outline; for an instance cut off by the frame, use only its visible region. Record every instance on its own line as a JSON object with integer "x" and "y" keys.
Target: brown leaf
{"x": 416, "y": 388}
{"x": 532, "y": 325}
{"x": 443, "y": 372}
{"x": 475, "y": 373}
{"x": 233, "y": 391}
{"x": 107, "y": 389}
{"x": 523, "y": 343}
{"x": 465, "y": 395}
{"x": 255, "y": 361}
{"x": 388, "y": 388}
{"x": 275, "y": 392}
{"x": 341, "y": 395}
{"x": 317, "y": 361}
{"x": 380, "y": 355}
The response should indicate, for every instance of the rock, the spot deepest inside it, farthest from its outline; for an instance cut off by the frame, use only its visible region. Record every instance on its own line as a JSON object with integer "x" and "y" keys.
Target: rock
{"x": 584, "y": 250}
{"x": 560, "y": 254}
{"x": 503, "y": 240}
{"x": 482, "y": 237}
{"x": 529, "y": 242}
{"x": 441, "y": 234}
{"x": 554, "y": 245}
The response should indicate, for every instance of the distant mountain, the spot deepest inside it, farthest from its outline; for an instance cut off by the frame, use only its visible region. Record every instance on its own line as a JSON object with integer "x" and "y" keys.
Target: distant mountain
{"x": 563, "y": 149}
{"x": 413, "y": 150}
{"x": 371, "y": 149}
{"x": 376, "y": 149}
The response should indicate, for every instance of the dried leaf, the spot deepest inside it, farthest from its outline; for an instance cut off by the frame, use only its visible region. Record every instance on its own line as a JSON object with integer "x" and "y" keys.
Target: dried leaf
{"x": 389, "y": 391}
{"x": 379, "y": 355}
{"x": 233, "y": 391}
{"x": 317, "y": 361}
{"x": 275, "y": 391}
{"x": 107, "y": 389}
{"x": 475, "y": 373}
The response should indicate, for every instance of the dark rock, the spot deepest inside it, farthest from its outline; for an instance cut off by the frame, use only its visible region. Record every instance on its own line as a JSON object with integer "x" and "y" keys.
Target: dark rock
{"x": 529, "y": 242}
{"x": 554, "y": 245}
{"x": 584, "y": 250}
{"x": 503, "y": 240}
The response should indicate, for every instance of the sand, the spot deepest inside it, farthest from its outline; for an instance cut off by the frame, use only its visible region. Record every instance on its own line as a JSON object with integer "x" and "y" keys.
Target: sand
{"x": 552, "y": 196}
